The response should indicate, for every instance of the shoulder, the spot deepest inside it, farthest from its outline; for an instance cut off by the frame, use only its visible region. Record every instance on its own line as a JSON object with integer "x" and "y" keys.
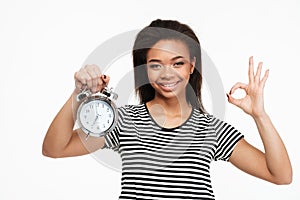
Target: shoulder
{"x": 132, "y": 110}
{"x": 206, "y": 118}
{"x": 132, "y": 107}
{"x": 203, "y": 116}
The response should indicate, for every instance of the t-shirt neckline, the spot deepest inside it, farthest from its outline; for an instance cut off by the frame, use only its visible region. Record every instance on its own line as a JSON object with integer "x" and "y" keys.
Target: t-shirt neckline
{"x": 165, "y": 128}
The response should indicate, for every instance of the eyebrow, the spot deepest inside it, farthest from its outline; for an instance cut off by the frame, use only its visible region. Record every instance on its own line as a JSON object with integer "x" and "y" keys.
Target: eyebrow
{"x": 157, "y": 60}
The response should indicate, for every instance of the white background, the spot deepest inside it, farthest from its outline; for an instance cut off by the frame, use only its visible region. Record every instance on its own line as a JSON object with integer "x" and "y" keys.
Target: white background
{"x": 42, "y": 44}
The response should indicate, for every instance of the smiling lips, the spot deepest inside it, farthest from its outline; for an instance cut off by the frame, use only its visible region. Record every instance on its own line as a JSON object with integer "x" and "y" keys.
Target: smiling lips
{"x": 168, "y": 86}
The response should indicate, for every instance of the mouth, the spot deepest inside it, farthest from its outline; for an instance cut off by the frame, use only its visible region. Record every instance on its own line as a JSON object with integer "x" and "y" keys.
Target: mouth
{"x": 168, "y": 86}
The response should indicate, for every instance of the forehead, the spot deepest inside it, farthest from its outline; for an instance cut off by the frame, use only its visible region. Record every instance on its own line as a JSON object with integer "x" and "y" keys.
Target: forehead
{"x": 169, "y": 48}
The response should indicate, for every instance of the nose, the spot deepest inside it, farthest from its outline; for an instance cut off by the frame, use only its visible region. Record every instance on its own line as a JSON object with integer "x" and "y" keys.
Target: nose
{"x": 167, "y": 73}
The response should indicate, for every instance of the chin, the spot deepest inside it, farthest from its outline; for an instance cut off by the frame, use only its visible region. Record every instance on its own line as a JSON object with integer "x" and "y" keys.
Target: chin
{"x": 169, "y": 95}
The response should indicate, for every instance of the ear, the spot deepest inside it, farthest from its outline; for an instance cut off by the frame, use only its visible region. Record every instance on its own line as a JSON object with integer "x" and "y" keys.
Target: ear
{"x": 193, "y": 63}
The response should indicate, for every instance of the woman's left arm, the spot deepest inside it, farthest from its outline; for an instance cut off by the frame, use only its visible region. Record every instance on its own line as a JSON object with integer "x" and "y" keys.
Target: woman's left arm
{"x": 273, "y": 165}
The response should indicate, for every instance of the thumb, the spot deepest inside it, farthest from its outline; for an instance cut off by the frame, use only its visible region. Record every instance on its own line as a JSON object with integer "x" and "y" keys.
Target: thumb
{"x": 105, "y": 79}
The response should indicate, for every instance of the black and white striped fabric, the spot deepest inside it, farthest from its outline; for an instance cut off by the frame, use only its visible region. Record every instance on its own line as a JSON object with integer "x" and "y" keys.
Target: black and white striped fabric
{"x": 162, "y": 163}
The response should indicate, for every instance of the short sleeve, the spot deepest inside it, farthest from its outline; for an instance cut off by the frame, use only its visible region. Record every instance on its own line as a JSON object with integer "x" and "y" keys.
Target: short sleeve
{"x": 112, "y": 139}
{"x": 227, "y": 137}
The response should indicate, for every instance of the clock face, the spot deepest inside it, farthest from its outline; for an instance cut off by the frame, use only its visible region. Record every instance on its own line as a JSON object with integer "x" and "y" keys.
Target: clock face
{"x": 96, "y": 116}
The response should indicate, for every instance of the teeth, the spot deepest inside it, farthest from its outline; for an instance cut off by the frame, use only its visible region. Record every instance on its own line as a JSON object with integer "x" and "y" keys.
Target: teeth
{"x": 169, "y": 85}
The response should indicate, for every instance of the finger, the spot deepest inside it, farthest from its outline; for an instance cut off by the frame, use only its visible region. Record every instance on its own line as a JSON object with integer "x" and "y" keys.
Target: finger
{"x": 99, "y": 74}
{"x": 94, "y": 78}
{"x": 97, "y": 70}
{"x": 105, "y": 79}
{"x": 79, "y": 77}
{"x": 78, "y": 84}
{"x": 104, "y": 82}
{"x": 238, "y": 86}
{"x": 264, "y": 79}
{"x": 232, "y": 100}
{"x": 258, "y": 72}
{"x": 86, "y": 78}
{"x": 251, "y": 69}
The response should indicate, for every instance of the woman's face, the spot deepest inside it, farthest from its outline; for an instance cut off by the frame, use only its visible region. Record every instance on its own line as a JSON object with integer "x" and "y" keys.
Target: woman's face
{"x": 169, "y": 67}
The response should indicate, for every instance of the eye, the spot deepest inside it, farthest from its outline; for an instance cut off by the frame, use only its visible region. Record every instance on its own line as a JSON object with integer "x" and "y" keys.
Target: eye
{"x": 178, "y": 64}
{"x": 155, "y": 66}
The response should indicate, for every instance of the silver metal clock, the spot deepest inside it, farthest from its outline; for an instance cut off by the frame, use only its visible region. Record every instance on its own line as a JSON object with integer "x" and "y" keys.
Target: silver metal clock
{"x": 97, "y": 113}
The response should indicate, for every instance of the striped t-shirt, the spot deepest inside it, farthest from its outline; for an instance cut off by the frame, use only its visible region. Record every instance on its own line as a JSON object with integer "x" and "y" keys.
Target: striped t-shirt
{"x": 162, "y": 163}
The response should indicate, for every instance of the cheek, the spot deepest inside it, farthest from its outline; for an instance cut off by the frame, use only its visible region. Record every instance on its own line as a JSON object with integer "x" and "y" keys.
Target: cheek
{"x": 152, "y": 75}
{"x": 149, "y": 75}
{"x": 184, "y": 74}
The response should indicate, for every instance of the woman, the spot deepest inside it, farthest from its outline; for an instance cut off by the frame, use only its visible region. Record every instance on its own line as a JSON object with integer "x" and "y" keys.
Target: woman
{"x": 168, "y": 141}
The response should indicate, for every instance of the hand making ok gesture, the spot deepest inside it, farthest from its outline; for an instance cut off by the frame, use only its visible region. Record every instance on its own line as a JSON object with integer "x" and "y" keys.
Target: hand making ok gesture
{"x": 253, "y": 102}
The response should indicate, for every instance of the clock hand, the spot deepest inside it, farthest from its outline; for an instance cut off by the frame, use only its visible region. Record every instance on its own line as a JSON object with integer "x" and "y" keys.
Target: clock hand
{"x": 97, "y": 112}
{"x": 95, "y": 120}
{"x": 96, "y": 109}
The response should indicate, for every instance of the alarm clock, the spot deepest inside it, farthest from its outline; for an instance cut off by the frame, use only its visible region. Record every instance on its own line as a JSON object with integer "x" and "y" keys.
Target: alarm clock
{"x": 97, "y": 113}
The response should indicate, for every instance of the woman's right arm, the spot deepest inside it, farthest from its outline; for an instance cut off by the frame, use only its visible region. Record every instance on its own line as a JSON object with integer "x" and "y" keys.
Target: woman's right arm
{"x": 61, "y": 139}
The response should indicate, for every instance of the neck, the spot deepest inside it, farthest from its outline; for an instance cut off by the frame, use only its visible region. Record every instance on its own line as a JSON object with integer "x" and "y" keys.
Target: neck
{"x": 169, "y": 113}
{"x": 173, "y": 106}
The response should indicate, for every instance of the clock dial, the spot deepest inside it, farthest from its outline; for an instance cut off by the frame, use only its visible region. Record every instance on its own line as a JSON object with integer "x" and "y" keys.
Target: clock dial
{"x": 96, "y": 116}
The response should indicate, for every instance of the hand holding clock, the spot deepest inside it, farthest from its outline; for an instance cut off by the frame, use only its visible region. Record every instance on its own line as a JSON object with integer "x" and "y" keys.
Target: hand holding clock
{"x": 62, "y": 140}
{"x": 90, "y": 76}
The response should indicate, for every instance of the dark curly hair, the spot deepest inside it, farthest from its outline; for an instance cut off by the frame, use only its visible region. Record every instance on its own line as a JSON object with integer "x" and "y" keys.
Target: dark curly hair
{"x": 147, "y": 38}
